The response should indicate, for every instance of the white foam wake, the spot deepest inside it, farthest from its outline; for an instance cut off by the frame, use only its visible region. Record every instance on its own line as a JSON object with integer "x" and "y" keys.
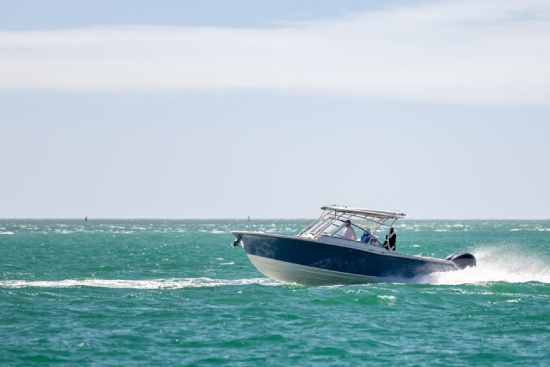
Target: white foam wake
{"x": 138, "y": 284}
{"x": 496, "y": 264}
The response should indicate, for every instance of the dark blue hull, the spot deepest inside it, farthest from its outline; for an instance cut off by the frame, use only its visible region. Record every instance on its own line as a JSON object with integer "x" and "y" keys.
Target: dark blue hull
{"x": 312, "y": 254}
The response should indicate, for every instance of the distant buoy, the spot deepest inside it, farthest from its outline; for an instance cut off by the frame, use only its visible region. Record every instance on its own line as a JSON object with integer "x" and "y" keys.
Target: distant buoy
{"x": 85, "y": 219}
{"x": 249, "y": 218}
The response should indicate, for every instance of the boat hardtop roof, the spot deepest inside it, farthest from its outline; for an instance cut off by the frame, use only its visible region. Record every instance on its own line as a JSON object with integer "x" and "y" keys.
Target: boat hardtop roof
{"x": 378, "y": 213}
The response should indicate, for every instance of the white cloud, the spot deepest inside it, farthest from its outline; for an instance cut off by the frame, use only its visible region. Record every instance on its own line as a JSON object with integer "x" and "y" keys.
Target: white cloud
{"x": 451, "y": 51}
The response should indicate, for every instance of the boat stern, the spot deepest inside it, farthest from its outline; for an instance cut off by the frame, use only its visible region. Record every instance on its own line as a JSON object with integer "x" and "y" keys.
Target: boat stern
{"x": 463, "y": 260}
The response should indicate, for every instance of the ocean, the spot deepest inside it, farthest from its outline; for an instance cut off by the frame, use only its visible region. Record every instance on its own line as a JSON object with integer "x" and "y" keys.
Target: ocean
{"x": 176, "y": 293}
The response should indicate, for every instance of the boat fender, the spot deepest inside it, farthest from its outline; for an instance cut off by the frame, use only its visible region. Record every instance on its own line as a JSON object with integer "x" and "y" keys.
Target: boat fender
{"x": 462, "y": 260}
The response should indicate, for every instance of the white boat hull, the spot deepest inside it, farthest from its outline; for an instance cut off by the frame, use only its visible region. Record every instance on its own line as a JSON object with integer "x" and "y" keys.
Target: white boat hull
{"x": 300, "y": 274}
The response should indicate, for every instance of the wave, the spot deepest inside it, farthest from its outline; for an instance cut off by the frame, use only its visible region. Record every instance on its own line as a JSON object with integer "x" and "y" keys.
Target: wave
{"x": 139, "y": 284}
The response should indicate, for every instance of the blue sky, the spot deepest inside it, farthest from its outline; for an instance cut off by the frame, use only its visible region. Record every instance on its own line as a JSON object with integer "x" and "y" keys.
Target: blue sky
{"x": 59, "y": 14}
{"x": 216, "y": 109}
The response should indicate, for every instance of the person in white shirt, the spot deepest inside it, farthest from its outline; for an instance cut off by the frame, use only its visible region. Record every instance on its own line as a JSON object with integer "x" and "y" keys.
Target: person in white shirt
{"x": 349, "y": 232}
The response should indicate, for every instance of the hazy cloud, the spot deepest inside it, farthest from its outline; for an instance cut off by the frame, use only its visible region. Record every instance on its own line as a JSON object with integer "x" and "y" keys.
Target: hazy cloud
{"x": 450, "y": 51}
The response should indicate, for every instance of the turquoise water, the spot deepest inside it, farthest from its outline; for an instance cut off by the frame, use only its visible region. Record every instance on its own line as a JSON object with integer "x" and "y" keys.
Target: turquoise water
{"x": 175, "y": 293}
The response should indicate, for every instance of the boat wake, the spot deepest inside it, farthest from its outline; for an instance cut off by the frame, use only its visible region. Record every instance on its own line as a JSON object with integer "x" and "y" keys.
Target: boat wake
{"x": 176, "y": 283}
{"x": 495, "y": 264}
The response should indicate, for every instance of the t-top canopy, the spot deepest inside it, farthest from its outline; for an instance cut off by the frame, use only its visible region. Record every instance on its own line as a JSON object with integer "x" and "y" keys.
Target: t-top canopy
{"x": 366, "y": 212}
{"x": 332, "y": 220}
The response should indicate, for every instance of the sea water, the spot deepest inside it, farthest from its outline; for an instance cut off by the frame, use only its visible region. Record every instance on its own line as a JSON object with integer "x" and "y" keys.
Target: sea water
{"x": 176, "y": 293}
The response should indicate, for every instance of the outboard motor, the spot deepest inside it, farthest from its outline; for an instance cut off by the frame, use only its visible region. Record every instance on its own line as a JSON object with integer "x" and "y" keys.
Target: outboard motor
{"x": 462, "y": 260}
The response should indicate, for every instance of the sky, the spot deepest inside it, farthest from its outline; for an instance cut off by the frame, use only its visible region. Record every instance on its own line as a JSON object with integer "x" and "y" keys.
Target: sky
{"x": 218, "y": 109}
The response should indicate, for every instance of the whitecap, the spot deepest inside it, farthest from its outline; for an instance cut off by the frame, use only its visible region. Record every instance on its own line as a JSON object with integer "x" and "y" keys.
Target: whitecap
{"x": 174, "y": 283}
{"x": 389, "y": 299}
{"x": 64, "y": 231}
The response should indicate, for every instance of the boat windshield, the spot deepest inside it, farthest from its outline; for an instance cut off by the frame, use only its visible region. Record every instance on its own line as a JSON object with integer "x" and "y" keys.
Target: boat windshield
{"x": 333, "y": 219}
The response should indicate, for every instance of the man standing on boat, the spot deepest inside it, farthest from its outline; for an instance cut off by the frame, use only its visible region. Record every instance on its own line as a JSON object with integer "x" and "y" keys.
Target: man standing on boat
{"x": 349, "y": 232}
{"x": 390, "y": 240}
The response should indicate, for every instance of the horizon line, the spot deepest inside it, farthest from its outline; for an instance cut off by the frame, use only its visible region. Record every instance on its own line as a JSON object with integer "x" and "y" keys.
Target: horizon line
{"x": 239, "y": 218}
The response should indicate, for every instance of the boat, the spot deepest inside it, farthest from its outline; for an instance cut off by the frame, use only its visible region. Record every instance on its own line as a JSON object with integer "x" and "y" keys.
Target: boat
{"x": 321, "y": 255}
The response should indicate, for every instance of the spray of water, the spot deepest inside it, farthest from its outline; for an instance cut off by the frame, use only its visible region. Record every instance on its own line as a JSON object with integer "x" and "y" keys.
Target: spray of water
{"x": 497, "y": 264}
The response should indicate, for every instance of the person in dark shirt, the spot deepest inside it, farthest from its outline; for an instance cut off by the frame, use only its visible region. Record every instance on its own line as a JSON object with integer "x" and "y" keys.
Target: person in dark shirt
{"x": 391, "y": 237}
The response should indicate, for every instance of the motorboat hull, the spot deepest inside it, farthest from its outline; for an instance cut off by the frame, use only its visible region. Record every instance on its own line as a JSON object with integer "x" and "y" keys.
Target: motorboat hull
{"x": 316, "y": 262}
{"x": 294, "y": 273}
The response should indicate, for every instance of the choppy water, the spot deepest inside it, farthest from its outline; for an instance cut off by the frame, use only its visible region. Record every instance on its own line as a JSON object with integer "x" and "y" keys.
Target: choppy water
{"x": 170, "y": 293}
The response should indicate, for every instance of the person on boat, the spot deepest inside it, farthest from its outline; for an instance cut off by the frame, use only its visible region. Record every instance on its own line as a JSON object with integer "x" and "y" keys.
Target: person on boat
{"x": 391, "y": 237}
{"x": 366, "y": 236}
{"x": 349, "y": 232}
